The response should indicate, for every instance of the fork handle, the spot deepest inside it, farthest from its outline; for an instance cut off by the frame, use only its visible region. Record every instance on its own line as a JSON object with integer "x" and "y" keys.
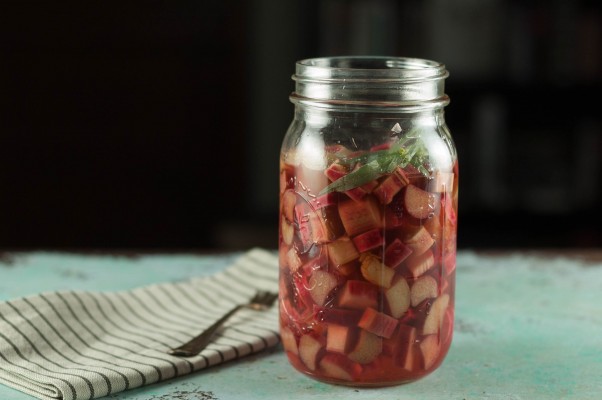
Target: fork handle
{"x": 198, "y": 343}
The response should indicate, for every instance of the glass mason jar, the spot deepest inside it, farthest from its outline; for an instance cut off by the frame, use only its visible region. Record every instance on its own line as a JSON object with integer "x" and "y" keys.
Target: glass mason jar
{"x": 368, "y": 215}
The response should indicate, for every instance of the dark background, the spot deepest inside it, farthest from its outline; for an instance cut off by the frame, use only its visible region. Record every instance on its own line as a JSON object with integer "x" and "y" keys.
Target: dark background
{"x": 158, "y": 124}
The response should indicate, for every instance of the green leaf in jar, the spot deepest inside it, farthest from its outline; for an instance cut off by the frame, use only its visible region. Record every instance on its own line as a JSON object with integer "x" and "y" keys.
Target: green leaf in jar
{"x": 373, "y": 165}
{"x": 359, "y": 177}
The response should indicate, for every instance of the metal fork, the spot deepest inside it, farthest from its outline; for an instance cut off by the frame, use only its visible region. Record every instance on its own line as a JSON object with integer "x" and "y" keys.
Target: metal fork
{"x": 260, "y": 302}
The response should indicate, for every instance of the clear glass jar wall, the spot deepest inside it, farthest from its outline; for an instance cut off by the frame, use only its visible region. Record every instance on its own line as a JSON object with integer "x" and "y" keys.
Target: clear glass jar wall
{"x": 368, "y": 216}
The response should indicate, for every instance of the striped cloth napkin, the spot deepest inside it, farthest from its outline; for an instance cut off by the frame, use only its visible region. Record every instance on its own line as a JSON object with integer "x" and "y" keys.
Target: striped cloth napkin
{"x": 84, "y": 345}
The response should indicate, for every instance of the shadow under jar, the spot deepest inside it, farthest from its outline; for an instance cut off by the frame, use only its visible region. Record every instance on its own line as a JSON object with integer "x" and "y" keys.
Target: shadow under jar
{"x": 368, "y": 216}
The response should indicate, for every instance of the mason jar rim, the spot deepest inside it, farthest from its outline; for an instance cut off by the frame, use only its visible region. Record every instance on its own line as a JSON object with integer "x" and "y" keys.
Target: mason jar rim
{"x": 381, "y": 82}
{"x": 369, "y": 69}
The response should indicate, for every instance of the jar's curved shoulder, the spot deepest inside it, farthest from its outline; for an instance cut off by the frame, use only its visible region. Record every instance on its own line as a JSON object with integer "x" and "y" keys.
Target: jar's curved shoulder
{"x": 440, "y": 148}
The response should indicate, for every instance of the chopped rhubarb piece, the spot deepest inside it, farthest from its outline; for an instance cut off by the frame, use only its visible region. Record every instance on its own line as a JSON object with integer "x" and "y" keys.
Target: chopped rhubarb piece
{"x": 368, "y": 240}
{"x": 356, "y": 194}
{"x": 374, "y": 271}
{"x": 415, "y": 315}
{"x": 339, "y": 366}
{"x": 410, "y": 355}
{"x": 288, "y": 340}
{"x": 337, "y": 150}
{"x": 396, "y": 253}
{"x": 360, "y": 216}
{"x": 420, "y": 241}
{"x": 434, "y": 319}
{"x": 447, "y": 327}
{"x": 402, "y": 176}
{"x": 401, "y": 346}
{"x": 335, "y": 172}
{"x": 419, "y": 203}
{"x": 418, "y": 265}
{"x": 358, "y": 295}
{"x": 415, "y": 177}
{"x": 309, "y": 349}
{"x": 338, "y": 338}
{"x": 342, "y": 316}
{"x": 321, "y": 284}
{"x": 449, "y": 236}
{"x": 342, "y": 251}
{"x": 287, "y": 231}
{"x": 382, "y": 146}
{"x": 423, "y": 288}
{"x": 390, "y": 186}
{"x": 289, "y": 199}
{"x": 369, "y": 187}
{"x": 378, "y": 323}
{"x": 293, "y": 260}
{"x": 367, "y": 348}
{"x": 398, "y": 298}
{"x": 429, "y": 346}
{"x": 447, "y": 204}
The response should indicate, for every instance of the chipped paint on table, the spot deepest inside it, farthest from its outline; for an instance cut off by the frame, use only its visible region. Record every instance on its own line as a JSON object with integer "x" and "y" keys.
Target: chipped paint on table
{"x": 527, "y": 327}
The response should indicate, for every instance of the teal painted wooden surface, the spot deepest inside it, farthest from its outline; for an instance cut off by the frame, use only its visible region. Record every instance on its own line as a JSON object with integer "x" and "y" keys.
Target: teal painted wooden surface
{"x": 526, "y": 328}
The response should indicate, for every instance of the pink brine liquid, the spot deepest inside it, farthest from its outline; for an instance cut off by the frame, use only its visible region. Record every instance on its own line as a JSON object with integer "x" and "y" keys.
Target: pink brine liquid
{"x": 367, "y": 274}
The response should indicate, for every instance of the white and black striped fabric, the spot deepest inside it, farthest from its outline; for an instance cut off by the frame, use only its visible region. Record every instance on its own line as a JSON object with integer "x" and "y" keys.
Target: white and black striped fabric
{"x": 84, "y": 345}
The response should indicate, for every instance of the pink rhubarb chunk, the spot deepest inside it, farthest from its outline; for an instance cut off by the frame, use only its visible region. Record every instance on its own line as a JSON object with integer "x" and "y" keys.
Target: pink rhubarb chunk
{"x": 396, "y": 253}
{"x": 368, "y": 240}
{"x": 358, "y": 294}
{"x": 360, "y": 216}
{"x": 378, "y": 323}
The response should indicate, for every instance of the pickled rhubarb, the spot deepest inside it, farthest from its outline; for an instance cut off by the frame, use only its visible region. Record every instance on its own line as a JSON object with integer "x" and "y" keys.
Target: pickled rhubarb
{"x": 369, "y": 261}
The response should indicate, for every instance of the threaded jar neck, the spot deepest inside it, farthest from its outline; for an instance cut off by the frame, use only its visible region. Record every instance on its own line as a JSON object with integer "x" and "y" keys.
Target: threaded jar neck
{"x": 359, "y": 82}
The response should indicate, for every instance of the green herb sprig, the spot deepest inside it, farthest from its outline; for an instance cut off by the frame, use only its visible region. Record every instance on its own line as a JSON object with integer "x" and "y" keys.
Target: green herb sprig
{"x": 408, "y": 150}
